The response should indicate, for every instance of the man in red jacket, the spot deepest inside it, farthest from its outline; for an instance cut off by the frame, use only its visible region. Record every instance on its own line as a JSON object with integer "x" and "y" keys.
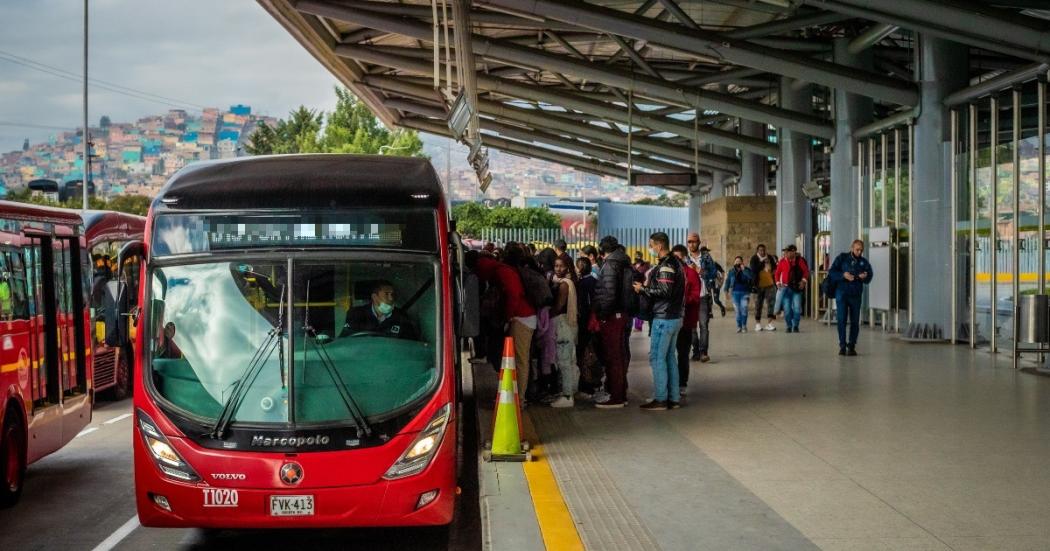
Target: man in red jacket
{"x": 693, "y": 289}
{"x": 518, "y": 315}
{"x": 792, "y": 277}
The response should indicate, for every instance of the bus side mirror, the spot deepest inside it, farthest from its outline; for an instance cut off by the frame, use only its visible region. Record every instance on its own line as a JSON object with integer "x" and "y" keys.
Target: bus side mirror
{"x": 128, "y": 315}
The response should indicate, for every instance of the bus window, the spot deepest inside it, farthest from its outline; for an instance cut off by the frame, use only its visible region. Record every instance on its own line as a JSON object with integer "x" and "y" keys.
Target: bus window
{"x": 17, "y": 284}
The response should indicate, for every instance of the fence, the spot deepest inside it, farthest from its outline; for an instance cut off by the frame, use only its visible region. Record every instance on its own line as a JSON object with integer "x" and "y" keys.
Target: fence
{"x": 633, "y": 239}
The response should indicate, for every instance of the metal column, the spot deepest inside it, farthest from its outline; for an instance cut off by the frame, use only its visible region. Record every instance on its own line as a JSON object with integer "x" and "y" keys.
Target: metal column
{"x": 972, "y": 154}
{"x": 1015, "y": 272}
{"x": 993, "y": 146}
{"x": 1041, "y": 95}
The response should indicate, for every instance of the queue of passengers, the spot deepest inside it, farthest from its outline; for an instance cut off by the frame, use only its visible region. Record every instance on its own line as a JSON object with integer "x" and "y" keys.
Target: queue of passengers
{"x": 571, "y": 321}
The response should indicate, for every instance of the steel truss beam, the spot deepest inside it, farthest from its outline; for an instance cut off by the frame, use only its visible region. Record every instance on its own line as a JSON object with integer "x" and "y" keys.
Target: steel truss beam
{"x": 570, "y": 101}
{"x": 554, "y": 122}
{"x": 707, "y": 44}
{"x": 643, "y": 86}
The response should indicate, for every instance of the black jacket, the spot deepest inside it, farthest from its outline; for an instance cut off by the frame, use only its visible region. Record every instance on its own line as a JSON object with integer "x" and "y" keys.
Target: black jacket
{"x": 665, "y": 289}
{"x": 609, "y": 292}
{"x": 363, "y": 319}
{"x": 756, "y": 266}
{"x": 855, "y": 265}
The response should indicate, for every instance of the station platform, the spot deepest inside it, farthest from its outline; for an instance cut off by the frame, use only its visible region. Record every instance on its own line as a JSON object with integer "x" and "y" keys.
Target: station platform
{"x": 783, "y": 444}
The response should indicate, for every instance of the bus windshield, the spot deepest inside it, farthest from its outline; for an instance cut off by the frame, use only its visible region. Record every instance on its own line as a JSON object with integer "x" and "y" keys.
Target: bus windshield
{"x": 340, "y": 341}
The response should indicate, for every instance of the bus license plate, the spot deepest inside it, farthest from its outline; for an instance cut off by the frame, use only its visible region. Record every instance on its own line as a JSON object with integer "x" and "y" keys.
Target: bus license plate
{"x": 291, "y": 506}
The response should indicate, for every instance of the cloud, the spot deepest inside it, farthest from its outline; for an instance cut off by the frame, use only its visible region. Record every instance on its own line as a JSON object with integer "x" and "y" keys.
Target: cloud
{"x": 199, "y": 52}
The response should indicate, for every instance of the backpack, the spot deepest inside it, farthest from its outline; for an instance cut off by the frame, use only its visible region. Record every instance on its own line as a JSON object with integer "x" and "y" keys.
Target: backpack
{"x": 632, "y": 301}
{"x": 795, "y": 275}
{"x": 537, "y": 288}
{"x": 828, "y": 287}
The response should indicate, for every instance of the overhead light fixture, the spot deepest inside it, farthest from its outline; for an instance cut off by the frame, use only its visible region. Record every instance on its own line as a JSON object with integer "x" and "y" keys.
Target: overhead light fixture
{"x": 459, "y": 117}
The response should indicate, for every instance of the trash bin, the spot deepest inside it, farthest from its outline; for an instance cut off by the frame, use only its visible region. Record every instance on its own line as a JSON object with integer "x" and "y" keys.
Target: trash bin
{"x": 1033, "y": 312}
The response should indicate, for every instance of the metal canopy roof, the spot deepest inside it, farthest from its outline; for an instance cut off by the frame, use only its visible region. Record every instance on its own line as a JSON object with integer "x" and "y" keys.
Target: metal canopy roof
{"x": 564, "y": 80}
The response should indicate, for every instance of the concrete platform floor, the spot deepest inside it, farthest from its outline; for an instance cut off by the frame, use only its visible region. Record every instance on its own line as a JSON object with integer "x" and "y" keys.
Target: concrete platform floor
{"x": 782, "y": 444}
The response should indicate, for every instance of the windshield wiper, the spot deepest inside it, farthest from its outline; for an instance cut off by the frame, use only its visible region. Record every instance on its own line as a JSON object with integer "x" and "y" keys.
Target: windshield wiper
{"x": 251, "y": 372}
{"x": 363, "y": 428}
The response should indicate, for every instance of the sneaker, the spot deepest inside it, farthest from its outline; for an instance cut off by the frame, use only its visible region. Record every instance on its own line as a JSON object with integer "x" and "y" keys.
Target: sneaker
{"x": 654, "y": 405}
{"x": 563, "y": 402}
{"x": 584, "y": 396}
{"x": 695, "y": 358}
{"x": 609, "y": 405}
{"x": 683, "y": 390}
{"x": 548, "y": 399}
{"x": 704, "y": 358}
{"x": 673, "y": 405}
{"x": 771, "y": 327}
{"x": 852, "y": 351}
{"x": 842, "y": 351}
{"x": 601, "y": 396}
{"x": 758, "y": 327}
{"x": 739, "y": 329}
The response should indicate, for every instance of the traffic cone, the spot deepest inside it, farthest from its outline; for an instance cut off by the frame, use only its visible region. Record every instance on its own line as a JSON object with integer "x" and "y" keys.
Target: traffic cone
{"x": 506, "y": 427}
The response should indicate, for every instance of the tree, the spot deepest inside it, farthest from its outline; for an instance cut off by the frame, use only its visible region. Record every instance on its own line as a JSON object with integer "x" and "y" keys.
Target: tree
{"x": 665, "y": 200}
{"x": 472, "y": 218}
{"x": 296, "y": 134}
{"x": 131, "y": 204}
{"x": 349, "y": 128}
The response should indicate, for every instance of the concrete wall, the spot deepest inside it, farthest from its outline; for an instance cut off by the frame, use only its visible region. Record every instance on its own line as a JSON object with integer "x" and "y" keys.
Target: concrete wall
{"x": 736, "y": 225}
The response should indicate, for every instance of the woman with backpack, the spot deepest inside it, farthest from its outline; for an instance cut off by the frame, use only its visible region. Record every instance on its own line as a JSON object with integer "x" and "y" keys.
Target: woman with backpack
{"x": 738, "y": 289}
{"x": 792, "y": 277}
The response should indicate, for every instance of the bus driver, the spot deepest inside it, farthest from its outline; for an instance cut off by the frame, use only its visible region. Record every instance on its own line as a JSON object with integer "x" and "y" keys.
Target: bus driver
{"x": 380, "y": 317}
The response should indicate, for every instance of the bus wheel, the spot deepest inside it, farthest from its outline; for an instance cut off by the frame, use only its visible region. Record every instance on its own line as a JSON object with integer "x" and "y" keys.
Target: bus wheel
{"x": 12, "y": 451}
{"x": 122, "y": 378}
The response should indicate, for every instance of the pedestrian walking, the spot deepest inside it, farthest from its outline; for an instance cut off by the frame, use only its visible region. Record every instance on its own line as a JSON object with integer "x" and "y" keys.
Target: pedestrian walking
{"x": 738, "y": 290}
{"x": 849, "y": 274}
{"x": 763, "y": 266}
{"x": 711, "y": 272}
{"x": 665, "y": 291}
{"x": 612, "y": 304}
{"x": 693, "y": 289}
{"x": 564, "y": 318}
{"x": 792, "y": 277}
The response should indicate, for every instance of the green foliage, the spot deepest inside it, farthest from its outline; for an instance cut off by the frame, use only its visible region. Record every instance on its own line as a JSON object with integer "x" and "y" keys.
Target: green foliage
{"x": 472, "y": 218}
{"x": 664, "y": 200}
{"x": 349, "y": 128}
{"x": 131, "y": 204}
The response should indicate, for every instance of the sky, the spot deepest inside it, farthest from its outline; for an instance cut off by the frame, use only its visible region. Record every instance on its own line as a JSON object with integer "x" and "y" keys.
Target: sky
{"x": 212, "y": 53}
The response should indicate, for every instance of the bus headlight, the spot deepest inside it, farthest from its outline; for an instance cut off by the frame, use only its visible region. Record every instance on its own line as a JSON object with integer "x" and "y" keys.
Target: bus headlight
{"x": 164, "y": 455}
{"x": 421, "y": 451}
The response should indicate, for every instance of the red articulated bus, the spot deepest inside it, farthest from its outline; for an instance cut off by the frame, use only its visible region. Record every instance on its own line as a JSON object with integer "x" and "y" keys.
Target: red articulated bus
{"x": 45, "y": 341}
{"x": 107, "y": 233}
{"x": 297, "y": 360}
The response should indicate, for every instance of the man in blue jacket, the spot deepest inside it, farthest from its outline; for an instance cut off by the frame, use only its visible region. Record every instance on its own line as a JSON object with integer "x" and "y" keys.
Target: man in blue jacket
{"x": 850, "y": 273}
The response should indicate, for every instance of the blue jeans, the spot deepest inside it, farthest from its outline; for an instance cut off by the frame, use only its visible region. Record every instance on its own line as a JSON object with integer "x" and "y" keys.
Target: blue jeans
{"x": 740, "y": 302}
{"x": 848, "y": 310}
{"x": 792, "y": 302}
{"x": 664, "y": 359}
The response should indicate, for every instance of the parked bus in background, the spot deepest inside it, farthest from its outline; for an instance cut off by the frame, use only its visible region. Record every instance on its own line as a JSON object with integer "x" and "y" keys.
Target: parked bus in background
{"x": 107, "y": 232}
{"x": 297, "y": 360}
{"x": 45, "y": 341}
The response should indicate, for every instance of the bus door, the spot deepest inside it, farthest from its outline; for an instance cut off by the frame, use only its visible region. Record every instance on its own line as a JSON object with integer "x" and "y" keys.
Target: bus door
{"x": 15, "y": 344}
{"x": 45, "y": 426}
{"x": 70, "y": 307}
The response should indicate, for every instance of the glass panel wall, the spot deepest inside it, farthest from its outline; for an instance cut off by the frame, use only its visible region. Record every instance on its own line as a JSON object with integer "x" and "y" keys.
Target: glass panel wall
{"x": 1005, "y": 220}
{"x": 1029, "y": 192}
{"x": 982, "y": 181}
{"x": 963, "y": 234}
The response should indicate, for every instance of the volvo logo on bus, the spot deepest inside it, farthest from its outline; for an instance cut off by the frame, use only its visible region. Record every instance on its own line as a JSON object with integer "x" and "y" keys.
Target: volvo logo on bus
{"x": 291, "y": 473}
{"x": 290, "y": 441}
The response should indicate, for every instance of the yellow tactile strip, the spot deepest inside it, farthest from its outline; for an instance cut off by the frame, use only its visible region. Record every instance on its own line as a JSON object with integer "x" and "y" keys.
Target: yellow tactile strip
{"x": 603, "y": 519}
{"x": 556, "y": 523}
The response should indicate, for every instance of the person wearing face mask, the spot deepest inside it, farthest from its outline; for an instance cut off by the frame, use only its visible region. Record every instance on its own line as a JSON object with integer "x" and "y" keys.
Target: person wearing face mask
{"x": 380, "y": 316}
{"x": 738, "y": 287}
